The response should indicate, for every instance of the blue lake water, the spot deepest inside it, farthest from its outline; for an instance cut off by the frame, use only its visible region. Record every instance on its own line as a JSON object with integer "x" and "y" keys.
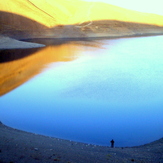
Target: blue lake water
{"x": 106, "y": 89}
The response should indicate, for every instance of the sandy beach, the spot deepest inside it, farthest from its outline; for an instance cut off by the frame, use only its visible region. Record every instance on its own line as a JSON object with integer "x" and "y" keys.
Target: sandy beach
{"x": 19, "y": 147}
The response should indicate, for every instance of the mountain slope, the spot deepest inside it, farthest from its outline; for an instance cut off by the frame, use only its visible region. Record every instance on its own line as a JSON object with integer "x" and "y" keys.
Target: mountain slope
{"x": 54, "y": 12}
{"x": 46, "y": 12}
{"x": 101, "y": 11}
{"x": 73, "y": 18}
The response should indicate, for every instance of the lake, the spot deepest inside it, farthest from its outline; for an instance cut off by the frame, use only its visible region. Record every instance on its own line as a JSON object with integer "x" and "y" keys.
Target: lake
{"x": 86, "y": 91}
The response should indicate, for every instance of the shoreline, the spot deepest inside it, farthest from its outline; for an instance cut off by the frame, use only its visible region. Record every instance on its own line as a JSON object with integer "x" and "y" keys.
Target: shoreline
{"x": 10, "y": 43}
{"x": 20, "y": 146}
{"x": 90, "y": 38}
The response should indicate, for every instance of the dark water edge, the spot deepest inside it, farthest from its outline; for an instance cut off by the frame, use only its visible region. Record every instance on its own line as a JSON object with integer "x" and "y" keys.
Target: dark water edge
{"x": 59, "y": 41}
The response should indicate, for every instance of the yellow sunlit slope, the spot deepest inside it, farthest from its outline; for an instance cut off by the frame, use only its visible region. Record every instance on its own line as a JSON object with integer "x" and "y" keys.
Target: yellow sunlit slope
{"x": 28, "y": 10}
{"x": 101, "y": 11}
{"x": 65, "y": 12}
{"x": 46, "y": 12}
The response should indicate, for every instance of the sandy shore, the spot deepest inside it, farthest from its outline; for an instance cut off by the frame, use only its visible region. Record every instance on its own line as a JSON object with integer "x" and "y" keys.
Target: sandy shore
{"x": 9, "y": 43}
{"x": 19, "y": 147}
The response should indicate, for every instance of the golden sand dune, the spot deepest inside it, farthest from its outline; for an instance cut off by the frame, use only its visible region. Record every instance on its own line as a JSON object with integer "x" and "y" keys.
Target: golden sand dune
{"x": 101, "y": 11}
{"x": 51, "y": 13}
{"x": 71, "y": 18}
{"x": 26, "y": 9}
{"x": 46, "y": 12}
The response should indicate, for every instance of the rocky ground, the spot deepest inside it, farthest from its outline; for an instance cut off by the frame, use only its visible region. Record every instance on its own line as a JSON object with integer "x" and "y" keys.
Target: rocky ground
{"x": 19, "y": 147}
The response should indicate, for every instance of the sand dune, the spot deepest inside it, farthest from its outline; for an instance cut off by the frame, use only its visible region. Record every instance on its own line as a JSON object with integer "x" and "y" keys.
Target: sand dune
{"x": 101, "y": 11}
{"x": 46, "y": 12}
{"x": 67, "y": 12}
{"x": 69, "y": 18}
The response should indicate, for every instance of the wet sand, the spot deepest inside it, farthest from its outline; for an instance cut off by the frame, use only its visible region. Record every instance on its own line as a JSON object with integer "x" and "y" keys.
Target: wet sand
{"x": 19, "y": 147}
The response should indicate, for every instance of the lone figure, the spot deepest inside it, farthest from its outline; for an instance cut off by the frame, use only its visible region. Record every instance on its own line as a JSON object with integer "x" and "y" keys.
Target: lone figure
{"x": 112, "y": 143}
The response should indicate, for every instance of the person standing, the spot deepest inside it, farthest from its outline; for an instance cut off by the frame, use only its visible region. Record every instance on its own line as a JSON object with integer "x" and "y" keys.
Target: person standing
{"x": 112, "y": 143}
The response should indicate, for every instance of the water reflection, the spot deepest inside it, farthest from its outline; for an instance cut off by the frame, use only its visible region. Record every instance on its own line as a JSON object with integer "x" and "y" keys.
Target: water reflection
{"x": 114, "y": 92}
{"x": 18, "y": 66}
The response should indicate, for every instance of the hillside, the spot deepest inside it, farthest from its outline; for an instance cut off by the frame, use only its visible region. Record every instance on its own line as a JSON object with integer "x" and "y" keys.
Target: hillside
{"x": 73, "y": 18}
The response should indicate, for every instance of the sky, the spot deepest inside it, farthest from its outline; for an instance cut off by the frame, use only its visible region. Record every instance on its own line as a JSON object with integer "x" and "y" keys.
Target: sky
{"x": 148, "y": 6}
